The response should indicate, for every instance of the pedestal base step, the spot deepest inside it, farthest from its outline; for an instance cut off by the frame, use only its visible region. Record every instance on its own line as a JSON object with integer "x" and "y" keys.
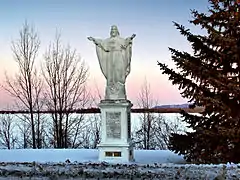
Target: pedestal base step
{"x": 117, "y": 153}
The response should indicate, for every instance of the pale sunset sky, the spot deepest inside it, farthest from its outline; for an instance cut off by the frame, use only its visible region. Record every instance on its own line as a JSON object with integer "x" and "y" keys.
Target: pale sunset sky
{"x": 150, "y": 20}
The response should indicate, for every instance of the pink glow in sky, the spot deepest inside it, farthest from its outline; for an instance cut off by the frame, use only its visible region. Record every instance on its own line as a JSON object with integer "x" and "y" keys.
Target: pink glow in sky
{"x": 151, "y": 21}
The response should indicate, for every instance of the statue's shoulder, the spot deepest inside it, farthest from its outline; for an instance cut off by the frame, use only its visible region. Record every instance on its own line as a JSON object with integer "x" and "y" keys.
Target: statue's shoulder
{"x": 107, "y": 39}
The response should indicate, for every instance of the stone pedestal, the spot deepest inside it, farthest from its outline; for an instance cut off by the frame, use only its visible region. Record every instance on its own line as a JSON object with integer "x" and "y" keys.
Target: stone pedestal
{"x": 115, "y": 142}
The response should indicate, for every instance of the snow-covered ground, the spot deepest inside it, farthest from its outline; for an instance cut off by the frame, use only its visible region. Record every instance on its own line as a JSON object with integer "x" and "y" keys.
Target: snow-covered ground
{"x": 83, "y": 164}
{"x": 83, "y": 155}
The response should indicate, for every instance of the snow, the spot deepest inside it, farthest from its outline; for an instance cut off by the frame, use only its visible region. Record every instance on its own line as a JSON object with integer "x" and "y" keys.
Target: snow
{"x": 83, "y": 155}
{"x": 83, "y": 164}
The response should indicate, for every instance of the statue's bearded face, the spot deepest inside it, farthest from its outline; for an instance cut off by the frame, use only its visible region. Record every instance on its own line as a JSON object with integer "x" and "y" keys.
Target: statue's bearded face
{"x": 114, "y": 31}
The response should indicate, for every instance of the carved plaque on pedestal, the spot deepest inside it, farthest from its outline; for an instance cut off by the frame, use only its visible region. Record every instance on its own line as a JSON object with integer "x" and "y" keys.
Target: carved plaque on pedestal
{"x": 113, "y": 125}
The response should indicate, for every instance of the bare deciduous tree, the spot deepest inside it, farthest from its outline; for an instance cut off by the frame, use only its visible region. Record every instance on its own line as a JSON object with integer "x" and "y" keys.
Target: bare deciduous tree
{"x": 165, "y": 127}
{"x": 154, "y": 131}
{"x": 24, "y": 128}
{"x": 7, "y": 137}
{"x": 26, "y": 86}
{"x": 144, "y": 135}
{"x": 65, "y": 75}
{"x": 95, "y": 125}
{"x": 95, "y": 130}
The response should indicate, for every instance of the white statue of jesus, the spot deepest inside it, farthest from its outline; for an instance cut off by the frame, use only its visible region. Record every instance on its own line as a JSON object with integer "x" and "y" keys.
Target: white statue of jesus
{"x": 114, "y": 56}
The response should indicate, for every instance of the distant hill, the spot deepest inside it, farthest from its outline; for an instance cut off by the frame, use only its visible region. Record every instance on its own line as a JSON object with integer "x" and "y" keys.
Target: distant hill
{"x": 186, "y": 105}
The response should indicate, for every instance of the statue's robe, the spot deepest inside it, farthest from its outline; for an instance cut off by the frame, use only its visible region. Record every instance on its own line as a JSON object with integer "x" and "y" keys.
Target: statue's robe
{"x": 115, "y": 64}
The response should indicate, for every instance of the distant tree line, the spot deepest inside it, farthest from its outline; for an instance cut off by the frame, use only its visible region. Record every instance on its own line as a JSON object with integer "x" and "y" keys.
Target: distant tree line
{"x": 92, "y": 110}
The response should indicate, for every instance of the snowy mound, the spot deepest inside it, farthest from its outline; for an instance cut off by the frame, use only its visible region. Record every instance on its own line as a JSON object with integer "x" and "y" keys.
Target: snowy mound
{"x": 83, "y": 155}
{"x": 83, "y": 164}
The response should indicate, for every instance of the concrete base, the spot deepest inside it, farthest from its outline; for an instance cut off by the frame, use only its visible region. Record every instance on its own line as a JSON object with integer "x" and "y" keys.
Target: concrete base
{"x": 115, "y": 145}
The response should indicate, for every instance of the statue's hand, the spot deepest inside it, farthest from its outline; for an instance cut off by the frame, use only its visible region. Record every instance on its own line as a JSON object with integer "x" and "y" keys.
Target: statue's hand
{"x": 133, "y": 36}
{"x": 123, "y": 46}
{"x": 90, "y": 38}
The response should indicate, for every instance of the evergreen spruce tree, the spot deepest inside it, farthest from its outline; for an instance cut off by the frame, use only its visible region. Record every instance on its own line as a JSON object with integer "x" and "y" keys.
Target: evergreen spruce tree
{"x": 209, "y": 77}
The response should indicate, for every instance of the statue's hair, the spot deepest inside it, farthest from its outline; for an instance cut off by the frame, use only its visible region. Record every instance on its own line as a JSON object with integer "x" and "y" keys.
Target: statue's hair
{"x": 116, "y": 28}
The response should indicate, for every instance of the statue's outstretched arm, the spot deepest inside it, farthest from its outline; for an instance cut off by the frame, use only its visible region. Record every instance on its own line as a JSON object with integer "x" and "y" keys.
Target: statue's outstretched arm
{"x": 97, "y": 43}
{"x": 128, "y": 41}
